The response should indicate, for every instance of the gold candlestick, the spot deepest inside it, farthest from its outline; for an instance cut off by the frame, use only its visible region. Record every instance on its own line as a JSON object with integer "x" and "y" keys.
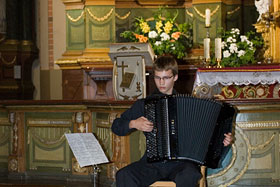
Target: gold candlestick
{"x": 218, "y": 63}
{"x": 207, "y": 62}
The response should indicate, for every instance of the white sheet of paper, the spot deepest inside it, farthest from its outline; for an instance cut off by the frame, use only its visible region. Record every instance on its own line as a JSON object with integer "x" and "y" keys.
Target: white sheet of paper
{"x": 86, "y": 149}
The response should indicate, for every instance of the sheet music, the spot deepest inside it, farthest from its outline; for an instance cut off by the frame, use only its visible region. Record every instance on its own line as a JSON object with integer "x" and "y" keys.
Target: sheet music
{"x": 86, "y": 149}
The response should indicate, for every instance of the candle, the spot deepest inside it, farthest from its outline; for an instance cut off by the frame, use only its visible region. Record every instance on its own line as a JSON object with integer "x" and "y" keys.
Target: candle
{"x": 207, "y": 48}
{"x": 207, "y": 17}
{"x": 218, "y": 48}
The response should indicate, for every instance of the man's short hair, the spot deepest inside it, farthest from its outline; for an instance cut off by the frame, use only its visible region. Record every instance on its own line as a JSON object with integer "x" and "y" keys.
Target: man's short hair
{"x": 165, "y": 63}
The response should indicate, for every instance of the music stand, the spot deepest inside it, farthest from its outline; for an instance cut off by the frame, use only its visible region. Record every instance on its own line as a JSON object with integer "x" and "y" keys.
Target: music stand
{"x": 87, "y": 151}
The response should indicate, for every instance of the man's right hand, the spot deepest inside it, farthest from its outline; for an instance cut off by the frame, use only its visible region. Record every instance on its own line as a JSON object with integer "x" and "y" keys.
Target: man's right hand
{"x": 141, "y": 124}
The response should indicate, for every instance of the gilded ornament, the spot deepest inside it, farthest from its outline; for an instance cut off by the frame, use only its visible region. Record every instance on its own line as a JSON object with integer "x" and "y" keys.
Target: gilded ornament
{"x": 9, "y": 62}
{"x": 77, "y": 168}
{"x": 75, "y": 19}
{"x": 13, "y": 165}
{"x": 227, "y": 92}
{"x": 104, "y": 18}
{"x": 123, "y": 17}
{"x": 190, "y": 14}
{"x": 203, "y": 15}
{"x": 233, "y": 11}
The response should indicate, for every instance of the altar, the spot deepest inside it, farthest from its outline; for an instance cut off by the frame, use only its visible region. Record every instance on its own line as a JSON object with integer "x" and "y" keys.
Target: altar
{"x": 254, "y": 91}
{"x": 250, "y": 82}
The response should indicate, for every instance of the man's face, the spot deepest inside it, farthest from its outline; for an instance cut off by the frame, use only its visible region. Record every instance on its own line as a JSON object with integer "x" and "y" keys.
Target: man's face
{"x": 165, "y": 81}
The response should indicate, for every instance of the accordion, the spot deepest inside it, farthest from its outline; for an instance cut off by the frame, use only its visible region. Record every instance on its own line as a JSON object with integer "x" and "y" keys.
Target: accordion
{"x": 183, "y": 127}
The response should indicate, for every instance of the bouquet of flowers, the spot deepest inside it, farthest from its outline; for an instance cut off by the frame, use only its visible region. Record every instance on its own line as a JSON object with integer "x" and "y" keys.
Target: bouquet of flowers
{"x": 164, "y": 35}
{"x": 239, "y": 49}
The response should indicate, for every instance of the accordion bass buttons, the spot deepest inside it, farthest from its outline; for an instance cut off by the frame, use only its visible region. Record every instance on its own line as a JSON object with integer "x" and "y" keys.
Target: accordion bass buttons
{"x": 173, "y": 130}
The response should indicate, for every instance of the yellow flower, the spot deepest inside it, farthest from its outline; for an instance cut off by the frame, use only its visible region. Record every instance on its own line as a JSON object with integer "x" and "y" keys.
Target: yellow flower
{"x": 168, "y": 26}
{"x": 144, "y": 27}
{"x": 158, "y": 26}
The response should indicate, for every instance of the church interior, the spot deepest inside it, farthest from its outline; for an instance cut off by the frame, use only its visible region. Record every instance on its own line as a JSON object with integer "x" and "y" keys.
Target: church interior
{"x": 73, "y": 66}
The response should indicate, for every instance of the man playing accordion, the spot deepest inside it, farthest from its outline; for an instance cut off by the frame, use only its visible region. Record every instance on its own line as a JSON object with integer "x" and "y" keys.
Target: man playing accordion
{"x": 143, "y": 173}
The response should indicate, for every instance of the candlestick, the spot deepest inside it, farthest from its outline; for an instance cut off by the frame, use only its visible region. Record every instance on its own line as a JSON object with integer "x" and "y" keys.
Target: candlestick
{"x": 218, "y": 48}
{"x": 207, "y": 48}
{"x": 218, "y": 63}
{"x": 207, "y": 17}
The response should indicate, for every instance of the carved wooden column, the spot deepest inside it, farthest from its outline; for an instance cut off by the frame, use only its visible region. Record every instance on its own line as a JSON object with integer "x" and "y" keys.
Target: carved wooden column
{"x": 16, "y": 163}
{"x": 18, "y": 51}
{"x": 120, "y": 149}
{"x": 82, "y": 124}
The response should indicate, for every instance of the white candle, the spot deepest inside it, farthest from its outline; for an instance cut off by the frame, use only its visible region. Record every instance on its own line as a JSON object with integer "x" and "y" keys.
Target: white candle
{"x": 218, "y": 48}
{"x": 207, "y": 17}
{"x": 207, "y": 48}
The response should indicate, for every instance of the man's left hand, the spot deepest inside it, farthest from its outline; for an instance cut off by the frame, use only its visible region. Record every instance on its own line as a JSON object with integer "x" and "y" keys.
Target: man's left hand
{"x": 228, "y": 139}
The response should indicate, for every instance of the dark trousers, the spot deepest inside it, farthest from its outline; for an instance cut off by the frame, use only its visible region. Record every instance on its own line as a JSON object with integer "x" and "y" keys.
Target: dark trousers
{"x": 142, "y": 174}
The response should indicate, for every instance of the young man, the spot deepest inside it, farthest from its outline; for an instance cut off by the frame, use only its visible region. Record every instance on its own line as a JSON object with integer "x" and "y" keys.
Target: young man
{"x": 141, "y": 173}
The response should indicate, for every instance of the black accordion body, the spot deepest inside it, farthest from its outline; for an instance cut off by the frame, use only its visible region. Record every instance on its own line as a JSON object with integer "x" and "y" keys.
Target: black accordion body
{"x": 183, "y": 127}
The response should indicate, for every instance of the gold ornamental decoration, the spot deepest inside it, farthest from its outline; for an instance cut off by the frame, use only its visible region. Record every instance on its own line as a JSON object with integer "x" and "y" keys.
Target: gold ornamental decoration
{"x": 123, "y": 17}
{"x": 75, "y": 19}
{"x": 104, "y": 18}
{"x": 233, "y": 11}
{"x": 203, "y": 15}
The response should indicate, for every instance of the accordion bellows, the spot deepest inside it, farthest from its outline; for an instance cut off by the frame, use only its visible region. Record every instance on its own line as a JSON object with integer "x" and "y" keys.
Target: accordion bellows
{"x": 183, "y": 127}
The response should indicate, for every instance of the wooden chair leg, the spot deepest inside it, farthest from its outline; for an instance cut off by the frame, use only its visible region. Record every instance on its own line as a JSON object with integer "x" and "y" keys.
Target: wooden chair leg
{"x": 202, "y": 182}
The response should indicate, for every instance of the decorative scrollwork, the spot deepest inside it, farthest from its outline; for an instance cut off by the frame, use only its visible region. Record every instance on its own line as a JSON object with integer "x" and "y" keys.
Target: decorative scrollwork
{"x": 104, "y": 18}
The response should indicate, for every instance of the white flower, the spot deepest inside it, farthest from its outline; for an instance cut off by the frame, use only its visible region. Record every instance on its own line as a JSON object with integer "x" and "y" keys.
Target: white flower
{"x": 237, "y": 31}
{"x": 241, "y": 53}
{"x": 233, "y": 48}
{"x": 224, "y": 44}
{"x": 173, "y": 48}
{"x": 157, "y": 43}
{"x": 164, "y": 36}
{"x": 229, "y": 39}
{"x": 250, "y": 43}
{"x": 152, "y": 34}
{"x": 243, "y": 38}
{"x": 226, "y": 53}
